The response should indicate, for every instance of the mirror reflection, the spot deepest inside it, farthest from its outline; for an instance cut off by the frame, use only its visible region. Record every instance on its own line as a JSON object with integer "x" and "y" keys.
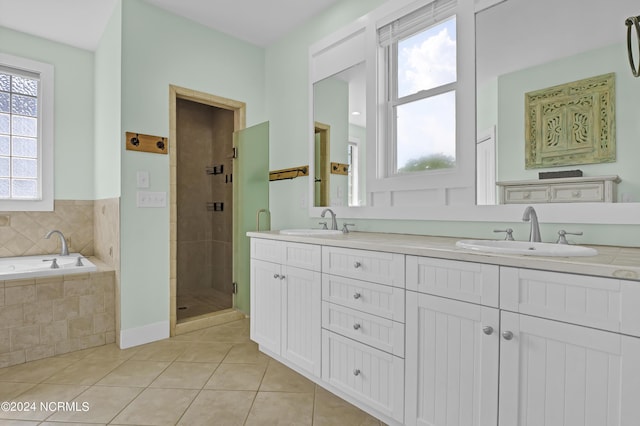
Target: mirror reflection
{"x": 524, "y": 47}
{"x": 339, "y": 113}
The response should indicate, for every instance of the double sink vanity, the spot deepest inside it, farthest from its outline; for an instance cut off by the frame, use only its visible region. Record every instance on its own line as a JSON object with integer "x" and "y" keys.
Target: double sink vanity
{"x": 418, "y": 330}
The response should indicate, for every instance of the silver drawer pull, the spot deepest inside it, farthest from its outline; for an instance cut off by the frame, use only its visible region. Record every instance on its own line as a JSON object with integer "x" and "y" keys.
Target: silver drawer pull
{"x": 276, "y": 276}
{"x": 357, "y": 295}
{"x": 356, "y": 372}
{"x": 507, "y": 335}
{"x": 356, "y": 326}
{"x": 488, "y": 330}
{"x": 576, "y": 194}
{"x": 357, "y": 264}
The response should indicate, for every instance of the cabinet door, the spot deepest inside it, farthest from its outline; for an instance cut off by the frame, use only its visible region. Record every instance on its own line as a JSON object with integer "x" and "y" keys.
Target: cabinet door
{"x": 266, "y": 304}
{"x": 451, "y": 362}
{"x": 553, "y": 373}
{"x": 301, "y": 318}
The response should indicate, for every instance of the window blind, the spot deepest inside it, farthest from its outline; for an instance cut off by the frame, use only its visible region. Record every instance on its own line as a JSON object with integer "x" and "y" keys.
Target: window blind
{"x": 421, "y": 18}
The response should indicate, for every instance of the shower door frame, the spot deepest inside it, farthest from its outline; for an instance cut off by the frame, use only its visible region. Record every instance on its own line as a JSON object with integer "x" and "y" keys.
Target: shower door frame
{"x": 239, "y": 123}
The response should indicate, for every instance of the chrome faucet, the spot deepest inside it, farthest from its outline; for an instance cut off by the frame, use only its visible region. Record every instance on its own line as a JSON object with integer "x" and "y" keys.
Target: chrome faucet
{"x": 334, "y": 222}
{"x": 64, "y": 251}
{"x": 530, "y": 215}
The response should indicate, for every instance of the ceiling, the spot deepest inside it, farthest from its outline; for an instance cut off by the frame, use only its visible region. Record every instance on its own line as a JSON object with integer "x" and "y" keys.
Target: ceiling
{"x": 80, "y": 23}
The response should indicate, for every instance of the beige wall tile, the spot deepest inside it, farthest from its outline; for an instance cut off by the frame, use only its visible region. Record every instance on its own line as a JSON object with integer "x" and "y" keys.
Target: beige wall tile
{"x": 79, "y": 285}
{"x": 81, "y": 326}
{"x": 39, "y": 352}
{"x": 104, "y": 322}
{"x": 69, "y": 307}
{"x": 20, "y": 294}
{"x": 25, "y": 337}
{"x": 54, "y": 332}
{"x": 2, "y": 293}
{"x": 38, "y": 312}
{"x": 91, "y": 304}
{"x": 5, "y": 341}
{"x": 11, "y": 316}
{"x": 11, "y": 358}
{"x": 49, "y": 290}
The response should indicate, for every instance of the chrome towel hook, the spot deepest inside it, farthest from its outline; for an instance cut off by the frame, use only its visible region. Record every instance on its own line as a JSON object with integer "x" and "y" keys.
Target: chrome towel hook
{"x": 633, "y": 21}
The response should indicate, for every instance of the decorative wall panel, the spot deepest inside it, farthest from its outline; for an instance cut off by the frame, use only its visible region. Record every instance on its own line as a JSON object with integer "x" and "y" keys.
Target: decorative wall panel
{"x": 573, "y": 123}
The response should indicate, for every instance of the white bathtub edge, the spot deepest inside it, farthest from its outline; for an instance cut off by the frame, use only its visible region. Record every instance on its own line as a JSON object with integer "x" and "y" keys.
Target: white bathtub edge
{"x": 145, "y": 334}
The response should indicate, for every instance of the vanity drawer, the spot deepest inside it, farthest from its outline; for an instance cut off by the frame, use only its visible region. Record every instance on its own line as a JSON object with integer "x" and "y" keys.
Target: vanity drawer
{"x": 381, "y": 333}
{"x": 376, "y": 299}
{"x": 605, "y": 303}
{"x": 371, "y": 376}
{"x": 465, "y": 281}
{"x": 305, "y": 256}
{"x": 378, "y": 267}
{"x": 525, "y": 194}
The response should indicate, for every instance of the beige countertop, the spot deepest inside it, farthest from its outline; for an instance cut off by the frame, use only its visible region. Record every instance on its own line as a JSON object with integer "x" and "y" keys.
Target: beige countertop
{"x": 612, "y": 262}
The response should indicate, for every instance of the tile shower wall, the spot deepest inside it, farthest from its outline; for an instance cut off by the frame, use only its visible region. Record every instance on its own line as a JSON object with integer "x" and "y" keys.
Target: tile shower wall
{"x": 49, "y": 316}
{"x": 22, "y": 233}
{"x": 203, "y": 236}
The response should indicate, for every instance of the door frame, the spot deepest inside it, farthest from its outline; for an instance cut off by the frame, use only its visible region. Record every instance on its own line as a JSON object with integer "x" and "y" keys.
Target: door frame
{"x": 239, "y": 123}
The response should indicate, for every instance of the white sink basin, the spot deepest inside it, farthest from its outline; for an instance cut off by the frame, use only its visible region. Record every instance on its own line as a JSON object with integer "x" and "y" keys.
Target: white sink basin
{"x": 310, "y": 232}
{"x": 526, "y": 248}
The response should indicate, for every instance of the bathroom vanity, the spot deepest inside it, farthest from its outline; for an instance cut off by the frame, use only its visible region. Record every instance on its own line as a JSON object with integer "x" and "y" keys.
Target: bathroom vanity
{"x": 414, "y": 330}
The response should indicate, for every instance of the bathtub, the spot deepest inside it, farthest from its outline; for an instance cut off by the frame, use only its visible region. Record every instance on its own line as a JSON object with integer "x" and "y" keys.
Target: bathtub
{"x": 13, "y": 268}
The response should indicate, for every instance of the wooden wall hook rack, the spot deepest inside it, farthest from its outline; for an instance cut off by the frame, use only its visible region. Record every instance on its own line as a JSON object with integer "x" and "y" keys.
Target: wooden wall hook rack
{"x": 291, "y": 173}
{"x": 147, "y": 143}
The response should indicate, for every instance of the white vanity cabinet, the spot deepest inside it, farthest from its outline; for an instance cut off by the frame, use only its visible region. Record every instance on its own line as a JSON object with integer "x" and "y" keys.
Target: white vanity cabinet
{"x": 569, "y": 351}
{"x": 363, "y": 327}
{"x": 452, "y": 346}
{"x": 285, "y": 301}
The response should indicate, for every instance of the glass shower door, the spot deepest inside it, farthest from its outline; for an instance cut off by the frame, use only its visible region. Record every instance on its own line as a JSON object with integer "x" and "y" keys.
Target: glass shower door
{"x": 250, "y": 194}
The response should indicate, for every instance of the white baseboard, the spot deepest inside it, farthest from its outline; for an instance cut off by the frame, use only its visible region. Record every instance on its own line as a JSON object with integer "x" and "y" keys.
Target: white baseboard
{"x": 145, "y": 334}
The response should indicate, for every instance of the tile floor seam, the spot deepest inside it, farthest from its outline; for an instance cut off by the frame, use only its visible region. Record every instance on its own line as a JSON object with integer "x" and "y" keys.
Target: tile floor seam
{"x": 188, "y": 406}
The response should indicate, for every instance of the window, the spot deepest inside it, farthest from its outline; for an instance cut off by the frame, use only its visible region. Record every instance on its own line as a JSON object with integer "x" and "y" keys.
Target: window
{"x": 26, "y": 134}
{"x": 419, "y": 54}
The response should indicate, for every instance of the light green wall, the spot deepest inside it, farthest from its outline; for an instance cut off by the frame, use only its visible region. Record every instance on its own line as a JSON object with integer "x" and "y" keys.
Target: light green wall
{"x": 512, "y": 87}
{"x": 108, "y": 108}
{"x": 159, "y": 49}
{"x": 73, "y": 109}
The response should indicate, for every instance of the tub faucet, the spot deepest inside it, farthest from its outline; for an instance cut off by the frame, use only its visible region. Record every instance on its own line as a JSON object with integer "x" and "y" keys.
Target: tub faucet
{"x": 334, "y": 222}
{"x": 64, "y": 251}
{"x": 530, "y": 215}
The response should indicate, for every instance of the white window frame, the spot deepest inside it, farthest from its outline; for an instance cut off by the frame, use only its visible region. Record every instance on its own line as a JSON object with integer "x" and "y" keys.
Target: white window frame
{"x": 45, "y": 133}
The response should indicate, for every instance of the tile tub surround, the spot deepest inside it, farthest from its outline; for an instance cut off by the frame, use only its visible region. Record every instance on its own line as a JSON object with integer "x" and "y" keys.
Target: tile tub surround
{"x": 22, "y": 233}
{"x": 611, "y": 262}
{"x": 47, "y": 316}
{"x": 211, "y": 376}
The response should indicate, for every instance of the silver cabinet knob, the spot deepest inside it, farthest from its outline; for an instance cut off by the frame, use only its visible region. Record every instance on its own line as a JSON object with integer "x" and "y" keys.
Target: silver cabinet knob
{"x": 282, "y": 277}
{"x": 356, "y": 372}
{"x": 276, "y": 276}
{"x": 357, "y": 264}
{"x": 488, "y": 330}
{"x": 357, "y": 295}
{"x": 507, "y": 335}
{"x": 356, "y": 326}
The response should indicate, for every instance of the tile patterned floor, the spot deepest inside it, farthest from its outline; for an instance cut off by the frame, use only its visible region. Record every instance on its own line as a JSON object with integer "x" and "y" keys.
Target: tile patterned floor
{"x": 214, "y": 376}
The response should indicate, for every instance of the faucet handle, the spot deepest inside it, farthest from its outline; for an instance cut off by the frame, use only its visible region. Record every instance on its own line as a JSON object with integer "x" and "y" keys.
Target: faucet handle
{"x": 508, "y": 231}
{"x": 79, "y": 261}
{"x": 54, "y": 263}
{"x": 324, "y": 225}
{"x": 562, "y": 239}
{"x": 345, "y": 227}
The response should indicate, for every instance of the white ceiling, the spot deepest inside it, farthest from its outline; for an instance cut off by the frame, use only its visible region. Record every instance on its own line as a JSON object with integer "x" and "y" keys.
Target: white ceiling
{"x": 80, "y": 23}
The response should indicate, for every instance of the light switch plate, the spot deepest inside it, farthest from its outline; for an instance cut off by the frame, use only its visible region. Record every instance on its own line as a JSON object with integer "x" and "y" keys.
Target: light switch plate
{"x": 142, "y": 178}
{"x": 150, "y": 199}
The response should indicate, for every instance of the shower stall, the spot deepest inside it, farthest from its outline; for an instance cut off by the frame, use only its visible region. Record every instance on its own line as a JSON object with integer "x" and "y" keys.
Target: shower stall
{"x": 204, "y": 203}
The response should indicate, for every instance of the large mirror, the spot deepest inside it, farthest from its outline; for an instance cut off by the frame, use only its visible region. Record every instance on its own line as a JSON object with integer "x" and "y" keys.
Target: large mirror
{"x": 339, "y": 114}
{"x": 524, "y": 46}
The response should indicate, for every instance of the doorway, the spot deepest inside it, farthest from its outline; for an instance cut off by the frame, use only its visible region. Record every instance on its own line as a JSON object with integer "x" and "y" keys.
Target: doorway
{"x": 201, "y": 162}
